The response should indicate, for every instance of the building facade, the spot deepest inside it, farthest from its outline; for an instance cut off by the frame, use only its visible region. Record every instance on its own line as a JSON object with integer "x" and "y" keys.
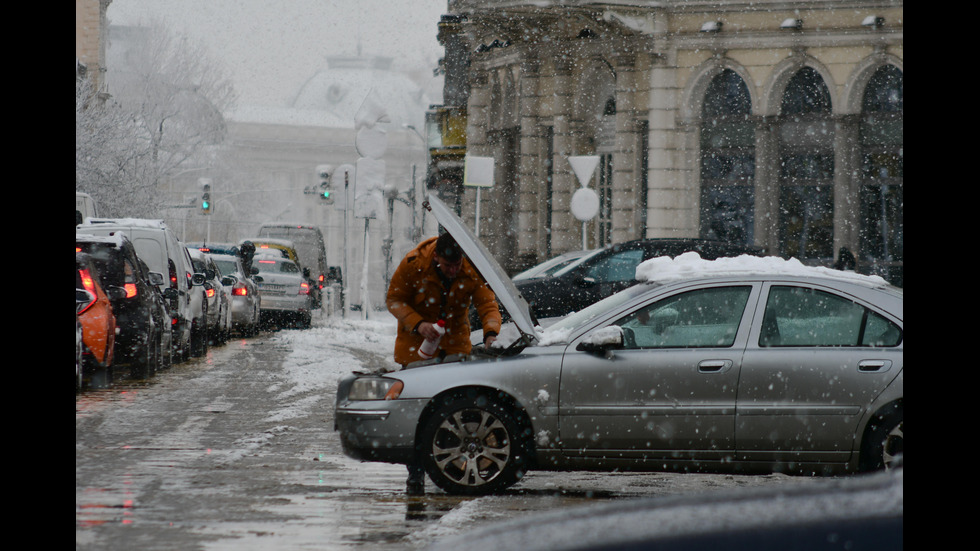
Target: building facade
{"x": 773, "y": 123}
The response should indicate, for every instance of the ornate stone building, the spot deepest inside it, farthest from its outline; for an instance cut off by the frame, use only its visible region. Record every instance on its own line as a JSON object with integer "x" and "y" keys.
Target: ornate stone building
{"x": 774, "y": 123}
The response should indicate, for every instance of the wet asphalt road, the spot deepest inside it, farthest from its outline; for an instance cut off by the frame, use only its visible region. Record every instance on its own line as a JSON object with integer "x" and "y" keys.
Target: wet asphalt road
{"x": 216, "y": 454}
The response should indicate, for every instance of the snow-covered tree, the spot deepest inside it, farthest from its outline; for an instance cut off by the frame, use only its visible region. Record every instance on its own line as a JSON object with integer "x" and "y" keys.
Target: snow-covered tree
{"x": 164, "y": 120}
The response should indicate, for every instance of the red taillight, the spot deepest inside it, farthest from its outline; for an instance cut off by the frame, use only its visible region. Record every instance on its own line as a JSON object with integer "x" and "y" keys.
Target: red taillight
{"x": 89, "y": 285}
{"x": 239, "y": 290}
{"x": 210, "y": 293}
{"x": 130, "y": 290}
{"x": 304, "y": 288}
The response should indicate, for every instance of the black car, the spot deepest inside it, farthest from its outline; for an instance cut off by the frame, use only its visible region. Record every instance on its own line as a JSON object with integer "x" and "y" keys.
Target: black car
{"x": 610, "y": 270}
{"x": 143, "y": 331}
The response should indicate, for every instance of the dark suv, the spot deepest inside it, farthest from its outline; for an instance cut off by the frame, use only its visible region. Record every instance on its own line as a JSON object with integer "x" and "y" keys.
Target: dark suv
{"x": 607, "y": 271}
{"x": 143, "y": 324}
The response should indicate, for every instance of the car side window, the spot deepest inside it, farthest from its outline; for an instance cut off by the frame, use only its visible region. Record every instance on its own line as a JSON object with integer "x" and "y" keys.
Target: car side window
{"x": 620, "y": 266}
{"x": 705, "y": 318}
{"x": 800, "y": 316}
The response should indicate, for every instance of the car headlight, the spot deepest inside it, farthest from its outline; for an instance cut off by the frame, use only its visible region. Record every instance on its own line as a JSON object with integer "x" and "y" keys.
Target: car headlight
{"x": 375, "y": 388}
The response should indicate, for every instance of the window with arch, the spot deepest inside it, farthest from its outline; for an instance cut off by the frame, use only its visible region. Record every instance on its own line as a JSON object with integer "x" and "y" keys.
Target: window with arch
{"x": 806, "y": 169}
{"x": 727, "y": 161}
{"x": 882, "y": 199}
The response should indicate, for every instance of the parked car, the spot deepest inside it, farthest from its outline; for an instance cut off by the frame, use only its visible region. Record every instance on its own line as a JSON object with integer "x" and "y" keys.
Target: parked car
{"x": 142, "y": 333}
{"x": 79, "y": 345}
{"x": 311, "y": 249}
{"x": 289, "y": 250}
{"x": 609, "y": 270}
{"x": 861, "y": 512}
{"x": 165, "y": 254}
{"x": 94, "y": 311}
{"x": 285, "y": 292}
{"x": 244, "y": 293}
{"x": 550, "y": 266}
{"x": 218, "y": 299}
{"x": 737, "y": 364}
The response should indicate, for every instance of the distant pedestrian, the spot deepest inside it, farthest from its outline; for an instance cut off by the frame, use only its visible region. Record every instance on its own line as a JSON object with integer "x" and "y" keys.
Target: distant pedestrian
{"x": 845, "y": 260}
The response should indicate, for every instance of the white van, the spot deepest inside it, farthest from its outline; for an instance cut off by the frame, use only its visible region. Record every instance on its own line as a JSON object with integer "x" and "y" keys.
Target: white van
{"x": 163, "y": 253}
{"x": 84, "y": 207}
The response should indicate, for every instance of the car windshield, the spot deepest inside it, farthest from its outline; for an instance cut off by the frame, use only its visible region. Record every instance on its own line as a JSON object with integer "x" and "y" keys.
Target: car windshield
{"x": 547, "y": 268}
{"x": 571, "y": 266}
{"x": 226, "y": 267}
{"x": 558, "y": 331}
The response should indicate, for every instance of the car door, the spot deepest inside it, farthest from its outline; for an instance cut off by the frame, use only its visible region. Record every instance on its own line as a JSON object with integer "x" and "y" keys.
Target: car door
{"x": 814, "y": 362}
{"x": 670, "y": 392}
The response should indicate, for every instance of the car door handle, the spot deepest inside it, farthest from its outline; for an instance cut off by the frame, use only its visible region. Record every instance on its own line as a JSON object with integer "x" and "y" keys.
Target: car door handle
{"x": 874, "y": 366}
{"x": 714, "y": 366}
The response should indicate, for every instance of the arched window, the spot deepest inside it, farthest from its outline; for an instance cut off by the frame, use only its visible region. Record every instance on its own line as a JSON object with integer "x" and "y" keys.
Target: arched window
{"x": 882, "y": 233}
{"x": 727, "y": 161}
{"x": 806, "y": 169}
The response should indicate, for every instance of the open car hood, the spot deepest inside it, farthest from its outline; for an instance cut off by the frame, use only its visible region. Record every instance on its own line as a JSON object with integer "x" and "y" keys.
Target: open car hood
{"x": 481, "y": 259}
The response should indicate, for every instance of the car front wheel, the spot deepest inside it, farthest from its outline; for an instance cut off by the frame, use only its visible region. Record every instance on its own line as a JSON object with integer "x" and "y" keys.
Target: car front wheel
{"x": 473, "y": 446}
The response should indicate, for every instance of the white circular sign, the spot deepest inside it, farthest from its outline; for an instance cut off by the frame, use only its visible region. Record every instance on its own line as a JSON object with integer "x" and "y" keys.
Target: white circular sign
{"x": 585, "y": 204}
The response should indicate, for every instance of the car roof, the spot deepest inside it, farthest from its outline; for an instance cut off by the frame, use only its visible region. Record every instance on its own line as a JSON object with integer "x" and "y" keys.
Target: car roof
{"x": 125, "y": 223}
{"x": 690, "y": 265}
{"x": 117, "y": 239}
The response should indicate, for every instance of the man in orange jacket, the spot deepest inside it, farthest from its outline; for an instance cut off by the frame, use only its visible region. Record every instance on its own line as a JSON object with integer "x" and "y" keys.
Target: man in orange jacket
{"x": 436, "y": 282}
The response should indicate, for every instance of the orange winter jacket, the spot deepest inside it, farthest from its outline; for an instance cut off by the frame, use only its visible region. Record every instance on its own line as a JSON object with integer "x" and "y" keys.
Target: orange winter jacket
{"x": 417, "y": 293}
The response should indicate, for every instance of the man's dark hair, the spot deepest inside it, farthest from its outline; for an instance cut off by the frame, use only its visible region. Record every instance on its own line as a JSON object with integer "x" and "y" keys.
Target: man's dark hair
{"x": 447, "y": 248}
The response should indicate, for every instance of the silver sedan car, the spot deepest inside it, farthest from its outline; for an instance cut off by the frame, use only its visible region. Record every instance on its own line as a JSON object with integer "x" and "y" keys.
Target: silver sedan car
{"x": 755, "y": 367}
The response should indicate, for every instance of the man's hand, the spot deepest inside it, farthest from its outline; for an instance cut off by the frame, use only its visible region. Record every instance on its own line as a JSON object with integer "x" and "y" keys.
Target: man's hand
{"x": 488, "y": 340}
{"x": 427, "y": 330}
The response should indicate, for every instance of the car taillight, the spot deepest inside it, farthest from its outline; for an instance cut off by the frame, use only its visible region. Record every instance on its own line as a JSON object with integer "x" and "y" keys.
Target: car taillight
{"x": 210, "y": 293}
{"x": 304, "y": 288}
{"x": 130, "y": 290}
{"x": 89, "y": 286}
{"x": 239, "y": 290}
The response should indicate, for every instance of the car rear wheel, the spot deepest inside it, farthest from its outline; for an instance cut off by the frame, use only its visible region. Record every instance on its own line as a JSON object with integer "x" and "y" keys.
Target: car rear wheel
{"x": 883, "y": 443}
{"x": 472, "y": 446}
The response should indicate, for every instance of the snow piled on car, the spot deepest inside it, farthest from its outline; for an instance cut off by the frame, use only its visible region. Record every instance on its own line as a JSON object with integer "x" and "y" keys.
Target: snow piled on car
{"x": 691, "y": 265}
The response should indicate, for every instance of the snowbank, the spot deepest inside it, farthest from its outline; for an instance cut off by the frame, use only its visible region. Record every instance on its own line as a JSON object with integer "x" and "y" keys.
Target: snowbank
{"x": 690, "y": 265}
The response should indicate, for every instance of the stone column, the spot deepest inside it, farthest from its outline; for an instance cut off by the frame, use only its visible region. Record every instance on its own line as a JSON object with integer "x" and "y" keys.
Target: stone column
{"x": 565, "y": 228}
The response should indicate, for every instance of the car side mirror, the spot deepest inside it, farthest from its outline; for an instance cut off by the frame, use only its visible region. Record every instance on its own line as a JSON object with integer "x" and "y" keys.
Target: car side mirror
{"x": 115, "y": 292}
{"x": 198, "y": 279}
{"x": 82, "y": 298}
{"x": 258, "y": 278}
{"x": 334, "y": 274}
{"x": 156, "y": 278}
{"x": 170, "y": 293}
{"x": 254, "y": 270}
{"x": 306, "y": 273}
{"x": 603, "y": 341}
{"x": 227, "y": 281}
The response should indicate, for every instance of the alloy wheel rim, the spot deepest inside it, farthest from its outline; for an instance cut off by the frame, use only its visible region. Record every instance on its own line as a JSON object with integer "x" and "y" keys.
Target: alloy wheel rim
{"x": 471, "y": 447}
{"x": 893, "y": 445}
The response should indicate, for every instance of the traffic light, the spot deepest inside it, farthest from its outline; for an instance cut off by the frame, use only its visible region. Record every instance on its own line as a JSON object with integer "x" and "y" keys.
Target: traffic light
{"x": 325, "y": 187}
{"x": 206, "y": 199}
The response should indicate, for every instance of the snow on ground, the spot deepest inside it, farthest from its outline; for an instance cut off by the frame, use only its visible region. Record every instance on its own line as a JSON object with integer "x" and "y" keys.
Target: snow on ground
{"x": 333, "y": 347}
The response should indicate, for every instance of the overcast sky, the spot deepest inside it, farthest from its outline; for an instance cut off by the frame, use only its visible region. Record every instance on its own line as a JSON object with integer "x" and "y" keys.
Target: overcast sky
{"x": 270, "y": 47}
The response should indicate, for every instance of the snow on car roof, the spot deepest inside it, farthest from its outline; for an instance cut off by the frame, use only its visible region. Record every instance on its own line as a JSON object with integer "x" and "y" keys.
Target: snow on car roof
{"x": 691, "y": 265}
{"x": 115, "y": 239}
{"x": 132, "y": 222}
